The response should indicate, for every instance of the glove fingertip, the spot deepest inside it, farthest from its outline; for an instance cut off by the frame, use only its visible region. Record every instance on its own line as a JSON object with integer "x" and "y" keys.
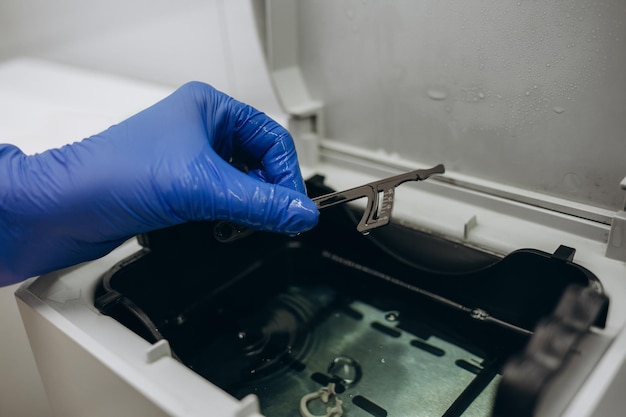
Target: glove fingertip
{"x": 300, "y": 215}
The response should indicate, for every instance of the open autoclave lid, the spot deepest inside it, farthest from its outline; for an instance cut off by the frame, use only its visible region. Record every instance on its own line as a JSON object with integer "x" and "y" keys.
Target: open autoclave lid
{"x": 519, "y": 100}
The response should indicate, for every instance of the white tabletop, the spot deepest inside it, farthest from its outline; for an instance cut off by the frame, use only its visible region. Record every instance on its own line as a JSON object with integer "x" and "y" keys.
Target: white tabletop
{"x": 44, "y": 104}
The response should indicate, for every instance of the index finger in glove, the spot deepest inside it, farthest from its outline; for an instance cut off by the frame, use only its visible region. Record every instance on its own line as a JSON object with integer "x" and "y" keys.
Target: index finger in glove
{"x": 270, "y": 143}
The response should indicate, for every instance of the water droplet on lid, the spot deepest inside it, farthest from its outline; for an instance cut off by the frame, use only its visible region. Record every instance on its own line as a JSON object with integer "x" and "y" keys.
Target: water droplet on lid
{"x": 558, "y": 109}
{"x": 436, "y": 94}
{"x": 572, "y": 182}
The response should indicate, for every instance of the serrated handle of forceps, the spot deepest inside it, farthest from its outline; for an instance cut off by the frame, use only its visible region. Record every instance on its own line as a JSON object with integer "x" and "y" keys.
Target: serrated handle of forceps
{"x": 373, "y": 216}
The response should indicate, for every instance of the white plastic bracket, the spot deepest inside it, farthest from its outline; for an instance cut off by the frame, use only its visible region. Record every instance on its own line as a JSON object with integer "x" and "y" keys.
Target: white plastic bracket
{"x": 160, "y": 349}
{"x": 306, "y": 123}
{"x": 249, "y": 407}
{"x": 469, "y": 225}
{"x": 616, "y": 245}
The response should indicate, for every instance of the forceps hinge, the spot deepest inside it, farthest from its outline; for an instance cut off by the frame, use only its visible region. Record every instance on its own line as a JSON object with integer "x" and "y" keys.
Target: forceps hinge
{"x": 376, "y": 213}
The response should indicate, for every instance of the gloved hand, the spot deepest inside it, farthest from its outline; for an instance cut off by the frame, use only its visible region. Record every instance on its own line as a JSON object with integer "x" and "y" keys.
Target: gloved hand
{"x": 164, "y": 166}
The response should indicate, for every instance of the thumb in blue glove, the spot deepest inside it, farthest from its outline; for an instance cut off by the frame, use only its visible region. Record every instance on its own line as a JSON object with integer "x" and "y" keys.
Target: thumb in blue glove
{"x": 164, "y": 166}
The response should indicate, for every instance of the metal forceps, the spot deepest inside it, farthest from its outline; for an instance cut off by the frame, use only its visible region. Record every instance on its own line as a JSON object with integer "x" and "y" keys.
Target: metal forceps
{"x": 374, "y": 215}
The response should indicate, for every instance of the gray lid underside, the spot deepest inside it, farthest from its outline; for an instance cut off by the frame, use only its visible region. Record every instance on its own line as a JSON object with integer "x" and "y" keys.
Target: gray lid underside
{"x": 527, "y": 94}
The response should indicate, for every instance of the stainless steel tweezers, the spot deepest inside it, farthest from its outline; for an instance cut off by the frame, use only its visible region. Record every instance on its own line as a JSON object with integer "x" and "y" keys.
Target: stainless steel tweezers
{"x": 376, "y": 213}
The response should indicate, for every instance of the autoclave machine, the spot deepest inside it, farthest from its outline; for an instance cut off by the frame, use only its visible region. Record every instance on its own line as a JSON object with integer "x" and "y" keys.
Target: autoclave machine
{"x": 494, "y": 290}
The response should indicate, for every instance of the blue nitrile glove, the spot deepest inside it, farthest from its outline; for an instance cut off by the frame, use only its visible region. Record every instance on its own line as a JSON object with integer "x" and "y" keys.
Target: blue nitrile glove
{"x": 163, "y": 166}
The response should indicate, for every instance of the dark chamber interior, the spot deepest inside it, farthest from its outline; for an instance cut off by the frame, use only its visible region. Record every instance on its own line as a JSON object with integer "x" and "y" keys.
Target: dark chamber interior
{"x": 402, "y": 321}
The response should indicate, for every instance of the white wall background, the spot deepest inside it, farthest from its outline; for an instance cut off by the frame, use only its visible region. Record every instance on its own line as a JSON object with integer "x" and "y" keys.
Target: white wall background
{"x": 160, "y": 41}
